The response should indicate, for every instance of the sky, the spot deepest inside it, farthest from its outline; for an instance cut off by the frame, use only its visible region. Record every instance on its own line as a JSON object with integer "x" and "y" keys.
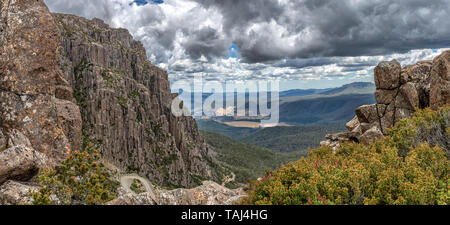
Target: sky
{"x": 301, "y": 43}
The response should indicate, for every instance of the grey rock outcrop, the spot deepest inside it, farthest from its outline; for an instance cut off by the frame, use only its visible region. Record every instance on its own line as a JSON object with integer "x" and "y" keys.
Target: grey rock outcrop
{"x": 15, "y": 193}
{"x": 400, "y": 92}
{"x": 127, "y": 198}
{"x": 440, "y": 81}
{"x": 21, "y": 163}
{"x": 210, "y": 193}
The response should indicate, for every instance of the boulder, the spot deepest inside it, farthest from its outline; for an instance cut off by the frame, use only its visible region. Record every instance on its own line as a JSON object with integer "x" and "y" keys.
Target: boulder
{"x": 387, "y": 75}
{"x": 69, "y": 117}
{"x": 385, "y": 97}
{"x": 407, "y": 97}
{"x": 20, "y": 163}
{"x": 440, "y": 81}
{"x": 367, "y": 113}
{"x": 15, "y": 193}
{"x": 353, "y": 124}
{"x": 371, "y": 136}
{"x": 418, "y": 72}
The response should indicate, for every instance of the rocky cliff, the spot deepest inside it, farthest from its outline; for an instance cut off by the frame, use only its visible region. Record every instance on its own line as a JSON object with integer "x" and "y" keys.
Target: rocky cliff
{"x": 399, "y": 93}
{"x": 125, "y": 104}
{"x": 39, "y": 124}
{"x": 65, "y": 78}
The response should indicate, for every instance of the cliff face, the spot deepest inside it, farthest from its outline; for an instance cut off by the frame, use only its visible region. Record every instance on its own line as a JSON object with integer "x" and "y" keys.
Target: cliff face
{"x": 125, "y": 104}
{"x": 38, "y": 121}
{"x": 64, "y": 77}
{"x": 400, "y": 91}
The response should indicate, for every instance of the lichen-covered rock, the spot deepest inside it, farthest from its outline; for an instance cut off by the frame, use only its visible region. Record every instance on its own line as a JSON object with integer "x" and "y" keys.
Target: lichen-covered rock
{"x": 14, "y": 193}
{"x": 30, "y": 80}
{"x": 3, "y": 141}
{"x": 440, "y": 81}
{"x": 387, "y": 75}
{"x": 127, "y": 198}
{"x": 125, "y": 103}
{"x": 353, "y": 124}
{"x": 16, "y": 138}
{"x": 367, "y": 113}
{"x": 210, "y": 193}
{"x": 20, "y": 163}
{"x": 370, "y": 136}
{"x": 334, "y": 140}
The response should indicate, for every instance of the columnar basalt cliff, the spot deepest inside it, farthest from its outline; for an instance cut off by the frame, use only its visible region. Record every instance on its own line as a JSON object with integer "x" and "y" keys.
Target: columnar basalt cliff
{"x": 125, "y": 104}
{"x": 400, "y": 92}
{"x": 65, "y": 78}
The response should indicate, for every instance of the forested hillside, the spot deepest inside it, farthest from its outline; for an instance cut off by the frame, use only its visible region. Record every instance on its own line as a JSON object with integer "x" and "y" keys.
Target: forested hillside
{"x": 244, "y": 160}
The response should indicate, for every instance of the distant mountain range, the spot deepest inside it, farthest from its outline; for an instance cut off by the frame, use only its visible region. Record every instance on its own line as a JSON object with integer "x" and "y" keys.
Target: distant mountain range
{"x": 316, "y": 106}
{"x": 334, "y": 106}
{"x": 301, "y": 92}
{"x": 352, "y": 88}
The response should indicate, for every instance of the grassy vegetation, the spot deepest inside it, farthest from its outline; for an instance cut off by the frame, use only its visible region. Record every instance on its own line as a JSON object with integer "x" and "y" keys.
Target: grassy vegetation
{"x": 409, "y": 167}
{"x": 113, "y": 77}
{"x": 244, "y": 160}
{"x": 137, "y": 186}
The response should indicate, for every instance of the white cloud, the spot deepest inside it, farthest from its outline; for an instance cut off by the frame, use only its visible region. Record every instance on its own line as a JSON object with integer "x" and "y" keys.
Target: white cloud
{"x": 188, "y": 37}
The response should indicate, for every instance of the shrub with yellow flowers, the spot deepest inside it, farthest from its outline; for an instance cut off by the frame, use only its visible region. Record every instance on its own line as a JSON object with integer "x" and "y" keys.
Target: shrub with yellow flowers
{"x": 80, "y": 180}
{"x": 408, "y": 167}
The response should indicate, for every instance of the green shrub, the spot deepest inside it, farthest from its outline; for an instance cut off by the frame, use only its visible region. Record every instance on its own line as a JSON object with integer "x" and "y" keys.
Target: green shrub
{"x": 137, "y": 186}
{"x": 81, "y": 179}
{"x": 374, "y": 175}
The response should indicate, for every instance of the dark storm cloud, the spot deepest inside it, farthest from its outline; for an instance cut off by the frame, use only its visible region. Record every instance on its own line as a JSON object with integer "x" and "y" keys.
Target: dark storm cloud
{"x": 205, "y": 42}
{"x": 240, "y": 13}
{"x": 336, "y": 28}
{"x": 294, "y": 38}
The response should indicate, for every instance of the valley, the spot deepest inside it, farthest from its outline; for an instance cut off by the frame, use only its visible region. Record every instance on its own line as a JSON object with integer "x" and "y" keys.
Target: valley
{"x": 95, "y": 114}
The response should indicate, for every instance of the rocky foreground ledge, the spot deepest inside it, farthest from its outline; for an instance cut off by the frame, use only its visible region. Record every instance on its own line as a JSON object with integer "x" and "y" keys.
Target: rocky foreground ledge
{"x": 400, "y": 92}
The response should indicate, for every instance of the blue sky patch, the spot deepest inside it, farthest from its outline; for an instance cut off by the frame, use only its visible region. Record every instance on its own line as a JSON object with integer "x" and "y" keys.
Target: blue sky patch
{"x": 145, "y": 2}
{"x": 233, "y": 51}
